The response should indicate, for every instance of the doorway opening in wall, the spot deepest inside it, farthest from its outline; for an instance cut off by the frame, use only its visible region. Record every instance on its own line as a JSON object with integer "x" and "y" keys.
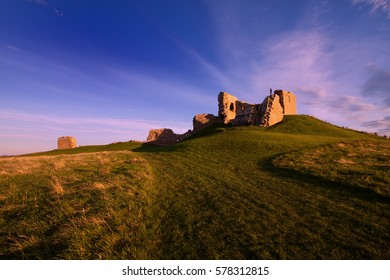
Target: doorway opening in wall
{"x": 231, "y": 107}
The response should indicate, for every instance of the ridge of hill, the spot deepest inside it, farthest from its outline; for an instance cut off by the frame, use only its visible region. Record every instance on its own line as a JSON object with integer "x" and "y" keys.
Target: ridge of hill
{"x": 225, "y": 193}
{"x": 303, "y": 124}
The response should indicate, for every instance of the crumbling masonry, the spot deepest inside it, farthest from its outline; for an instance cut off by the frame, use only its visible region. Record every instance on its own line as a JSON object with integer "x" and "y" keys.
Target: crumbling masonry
{"x": 66, "y": 142}
{"x": 236, "y": 113}
{"x": 267, "y": 113}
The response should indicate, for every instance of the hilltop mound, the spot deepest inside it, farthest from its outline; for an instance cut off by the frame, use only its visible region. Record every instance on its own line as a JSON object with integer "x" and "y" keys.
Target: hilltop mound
{"x": 290, "y": 125}
{"x": 303, "y": 124}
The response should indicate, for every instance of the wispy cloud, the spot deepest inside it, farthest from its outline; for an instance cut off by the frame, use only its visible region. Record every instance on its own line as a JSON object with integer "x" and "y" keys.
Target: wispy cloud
{"x": 125, "y": 124}
{"x": 378, "y": 84}
{"x": 297, "y": 59}
{"x": 210, "y": 68}
{"x": 27, "y": 129}
{"x": 36, "y": 132}
{"x": 13, "y": 48}
{"x": 350, "y": 104}
{"x": 259, "y": 60}
{"x": 205, "y": 65}
{"x": 167, "y": 86}
{"x": 375, "y": 5}
{"x": 46, "y": 4}
{"x": 382, "y": 126}
{"x": 99, "y": 81}
{"x": 300, "y": 61}
{"x": 39, "y": 2}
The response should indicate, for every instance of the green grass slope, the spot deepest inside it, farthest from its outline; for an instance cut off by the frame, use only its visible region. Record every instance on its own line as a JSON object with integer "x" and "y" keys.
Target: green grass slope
{"x": 219, "y": 195}
{"x": 303, "y": 124}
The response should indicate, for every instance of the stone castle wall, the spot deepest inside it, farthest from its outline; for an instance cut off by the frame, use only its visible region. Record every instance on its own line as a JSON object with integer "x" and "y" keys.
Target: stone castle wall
{"x": 288, "y": 102}
{"x": 66, "y": 142}
{"x": 227, "y": 107}
{"x": 267, "y": 113}
{"x": 272, "y": 111}
{"x": 165, "y": 136}
{"x": 201, "y": 121}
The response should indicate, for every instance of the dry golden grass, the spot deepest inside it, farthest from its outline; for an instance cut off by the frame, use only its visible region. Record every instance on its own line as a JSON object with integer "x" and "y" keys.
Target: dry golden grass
{"x": 14, "y": 165}
{"x": 72, "y": 206}
{"x": 99, "y": 186}
{"x": 50, "y": 164}
{"x": 56, "y": 186}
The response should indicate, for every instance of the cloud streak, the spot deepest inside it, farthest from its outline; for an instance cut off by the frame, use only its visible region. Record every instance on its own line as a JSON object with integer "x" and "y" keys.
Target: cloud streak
{"x": 69, "y": 121}
{"x": 376, "y": 5}
{"x": 40, "y": 131}
{"x": 350, "y": 104}
{"x": 296, "y": 60}
{"x": 202, "y": 62}
{"x": 98, "y": 82}
{"x": 378, "y": 84}
{"x": 382, "y": 126}
{"x": 47, "y": 5}
{"x": 12, "y": 48}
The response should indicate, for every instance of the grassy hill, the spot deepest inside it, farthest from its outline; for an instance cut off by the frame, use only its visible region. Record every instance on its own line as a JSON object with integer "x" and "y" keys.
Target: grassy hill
{"x": 302, "y": 189}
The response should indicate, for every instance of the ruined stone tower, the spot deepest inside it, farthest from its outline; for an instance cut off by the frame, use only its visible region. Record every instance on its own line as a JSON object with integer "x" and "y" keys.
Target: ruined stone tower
{"x": 66, "y": 142}
{"x": 267, "y": 113}
{"x": 271, "y": 111}
{"x": 288, "y": 102}
{"x": 227, "y": 106}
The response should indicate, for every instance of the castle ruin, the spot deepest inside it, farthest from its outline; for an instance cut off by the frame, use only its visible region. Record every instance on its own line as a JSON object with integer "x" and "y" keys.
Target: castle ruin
{"x": 269, "y": 112}
{"x": 66, "y": 142}
{"x": 236, "y": 113}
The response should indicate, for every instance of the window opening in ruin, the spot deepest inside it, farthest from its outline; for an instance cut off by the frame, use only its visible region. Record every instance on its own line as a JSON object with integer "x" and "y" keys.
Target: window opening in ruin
{"x": 231, "y": 107}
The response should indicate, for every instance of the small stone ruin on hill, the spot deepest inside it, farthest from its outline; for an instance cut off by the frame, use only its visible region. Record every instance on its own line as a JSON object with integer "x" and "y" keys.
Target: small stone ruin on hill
{"x": 236, "y": 113}
{"x": 165, "y": 136}
{"x": 66, "y": 142}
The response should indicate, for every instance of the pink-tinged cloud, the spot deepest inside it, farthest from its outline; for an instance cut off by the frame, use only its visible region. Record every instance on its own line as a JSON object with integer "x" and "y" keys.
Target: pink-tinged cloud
{"x": 378, "y": 84}
{"x": 68, "y": 121}
{"x": 37, "y": 132}
{"x": 295, "y": 61}
{"x": 381, "y": 126}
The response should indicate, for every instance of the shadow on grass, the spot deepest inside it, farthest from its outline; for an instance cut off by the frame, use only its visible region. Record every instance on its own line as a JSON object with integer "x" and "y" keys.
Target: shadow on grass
{"x": 208, "y": 131}
{"x": 151, "y": 148}
{"x": 47, "y": 248}
{"x": 341, "y": 189}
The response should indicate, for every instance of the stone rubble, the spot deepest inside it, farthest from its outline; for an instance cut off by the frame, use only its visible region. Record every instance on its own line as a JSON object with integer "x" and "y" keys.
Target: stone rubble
{"x": 166, "y": 136}
{"x": 201, "y": 121}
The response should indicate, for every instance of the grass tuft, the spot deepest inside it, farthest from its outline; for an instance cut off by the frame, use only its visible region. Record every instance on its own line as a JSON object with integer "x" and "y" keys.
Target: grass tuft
{"x": 56, "y": 186}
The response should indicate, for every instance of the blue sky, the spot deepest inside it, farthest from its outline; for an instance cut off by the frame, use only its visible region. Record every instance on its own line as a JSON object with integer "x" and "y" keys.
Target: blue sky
{"x": 107, "y": 71}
